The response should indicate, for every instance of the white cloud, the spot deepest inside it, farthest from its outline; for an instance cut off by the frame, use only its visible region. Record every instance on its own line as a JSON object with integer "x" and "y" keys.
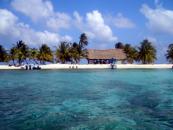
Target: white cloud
{"x": 78, "y": 20}
{"x": 95, "y": 27}
{"x": 96, "y": 23}
{"x": 59, "y": 20}
{"x": 159, "y": 20}
{"x": 42, "y": 11}
{"x": 36, "y": 9}
{"x": 7, "y": 21}
{"x": 122, "y": 22}
{"x": 12, "y": 30}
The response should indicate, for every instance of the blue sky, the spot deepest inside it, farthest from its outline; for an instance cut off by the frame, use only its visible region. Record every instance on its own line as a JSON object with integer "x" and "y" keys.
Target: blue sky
{"x": 104, "y": 21}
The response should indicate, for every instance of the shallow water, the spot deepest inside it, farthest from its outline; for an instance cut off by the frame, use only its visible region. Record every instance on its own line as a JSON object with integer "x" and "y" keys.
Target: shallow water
{"x": 86, "y": 99}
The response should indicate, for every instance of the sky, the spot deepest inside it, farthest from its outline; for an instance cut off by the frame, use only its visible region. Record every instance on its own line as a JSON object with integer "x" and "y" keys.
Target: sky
{"x": 105, "y": 22}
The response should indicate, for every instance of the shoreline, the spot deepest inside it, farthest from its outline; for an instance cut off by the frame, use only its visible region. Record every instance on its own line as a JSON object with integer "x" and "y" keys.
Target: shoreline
{"x": 94, "y": 66}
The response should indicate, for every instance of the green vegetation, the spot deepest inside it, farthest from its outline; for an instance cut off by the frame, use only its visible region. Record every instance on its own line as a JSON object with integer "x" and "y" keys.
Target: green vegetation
{"x": 3, "y": 54}
{"x": 131, "y": 53}
{"x": 19, "y": 52}
{"x": 119, "y": 45}
{"x": 45, "y": 54}
{"x": 33, "y": 54}
{"x": 145, "y": 53}
{"x": 72, "y": 52}
{"x": 169, "y": 54}
{"x": 12, "y": 55}
{"x": 68, "y": 52}
{"x": 65, "y": 52}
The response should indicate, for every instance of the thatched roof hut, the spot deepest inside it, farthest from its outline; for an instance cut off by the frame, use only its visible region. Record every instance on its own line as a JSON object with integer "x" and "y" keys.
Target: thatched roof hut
{"x": 117, "y": 54}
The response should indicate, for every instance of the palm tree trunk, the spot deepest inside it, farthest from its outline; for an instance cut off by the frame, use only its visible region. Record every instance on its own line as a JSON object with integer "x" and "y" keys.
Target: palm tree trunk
{"x": 13, "y": 61}
{"x": 19, "y": 61}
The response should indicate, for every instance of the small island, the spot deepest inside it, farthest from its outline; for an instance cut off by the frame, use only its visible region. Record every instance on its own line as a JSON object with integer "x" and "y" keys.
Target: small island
{"x": 67, "y": 55}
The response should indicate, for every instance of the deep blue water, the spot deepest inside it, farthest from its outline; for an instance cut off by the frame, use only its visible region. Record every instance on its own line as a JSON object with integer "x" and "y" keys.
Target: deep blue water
{"x": 86, "y": 99}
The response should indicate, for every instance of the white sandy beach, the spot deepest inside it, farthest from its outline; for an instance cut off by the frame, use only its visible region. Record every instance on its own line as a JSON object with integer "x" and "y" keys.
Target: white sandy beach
{"x": 6, "y": 67}
{"x": 95, "y": 66}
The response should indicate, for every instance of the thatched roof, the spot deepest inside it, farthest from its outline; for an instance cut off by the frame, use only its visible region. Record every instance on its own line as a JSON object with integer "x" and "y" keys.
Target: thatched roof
{"x": 107, "y": 54}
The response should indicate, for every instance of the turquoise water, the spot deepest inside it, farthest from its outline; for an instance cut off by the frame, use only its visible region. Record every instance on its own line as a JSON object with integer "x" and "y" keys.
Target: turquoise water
{"x": 86, "y": 100}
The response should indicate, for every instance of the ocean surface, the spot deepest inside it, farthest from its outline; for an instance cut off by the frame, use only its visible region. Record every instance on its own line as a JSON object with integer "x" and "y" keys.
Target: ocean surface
{"x": 86, "y": 100}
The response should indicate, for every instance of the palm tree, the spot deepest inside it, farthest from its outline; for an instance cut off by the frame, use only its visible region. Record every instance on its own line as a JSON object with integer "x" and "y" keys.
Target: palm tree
{"x": 63, "y": 52}
{"x": 45, "y": 54}
{"x": 13, "y": 54}
{"x": 33, "y": 54}
{"x": 25, "y": 51}
{"x": 20, "y": 51}
{"x": 147, "y": 52}
{"x": 3, "y": 54}
{"x": 83, "y": 40}
{"x": 169, "y": 54}
{"x": 68, "y": 52}
{"x": 119, "y": 45}
{"x": 83, "y": 52}
{"x": 75, "y": 52}
{"x": 131, "y": 53}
